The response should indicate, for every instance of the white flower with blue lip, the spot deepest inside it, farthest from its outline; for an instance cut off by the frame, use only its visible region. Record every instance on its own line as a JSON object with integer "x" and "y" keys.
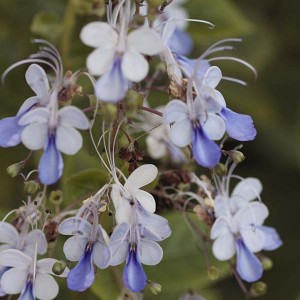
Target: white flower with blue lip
{"x": 88, "y": 246}
{"x": 197, "y": 122}
{"x": 54, "y": 131}
{"x": 25, "y": 241}
{"x": 138, "y": 229}
{"x": 244, "y": 234}
{"x": 119, "y": 55}
{"x": 28, "y": 277}
{"x": 10, "y": 130}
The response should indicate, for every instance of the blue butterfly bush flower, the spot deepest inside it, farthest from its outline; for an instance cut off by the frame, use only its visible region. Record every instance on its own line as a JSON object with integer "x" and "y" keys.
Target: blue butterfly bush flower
{"x": 40, "y": 124}
{"x": 10, "y": 129}
{"x": 138, "y": 229}
{"x": 239, "y": 228}
{"x": 88, "y": 246}
{"x": 29, "y": 277}
{"x": 197, "y": 120}
{"x": 119, "y": 56}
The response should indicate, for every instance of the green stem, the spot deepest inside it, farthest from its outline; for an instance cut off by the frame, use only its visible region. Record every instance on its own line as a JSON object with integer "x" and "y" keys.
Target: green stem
{"x": 66, "y": 38}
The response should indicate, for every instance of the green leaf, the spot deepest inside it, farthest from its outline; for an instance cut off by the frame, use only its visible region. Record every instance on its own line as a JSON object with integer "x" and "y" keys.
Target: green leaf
{"x": 47, "y": 25}
{"x": 83, "y": 184}
{"x": 225, "y": 15}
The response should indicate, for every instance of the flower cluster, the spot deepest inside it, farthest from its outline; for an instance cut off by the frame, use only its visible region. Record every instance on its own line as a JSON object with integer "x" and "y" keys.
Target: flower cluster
{"x": 141, "y": 44}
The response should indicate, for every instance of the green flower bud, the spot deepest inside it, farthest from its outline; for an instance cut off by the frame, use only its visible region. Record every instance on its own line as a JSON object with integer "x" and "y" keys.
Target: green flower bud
{"x": 109, "y": 111}
{"x": 267, "y": 263}
{"x": 59, "y": 267}
{"x": 236, "y": 156}
{"x": 31, "y": 187}
{"x": 213, "y": 273}
{"x": 15, "y": 169}
{"x": 132, "y": 101}
{"x": 220, "y": 169}
{"x": 56, "y": 197}
{"x": 155, "y": 287}
{"x": 258, "y": 289}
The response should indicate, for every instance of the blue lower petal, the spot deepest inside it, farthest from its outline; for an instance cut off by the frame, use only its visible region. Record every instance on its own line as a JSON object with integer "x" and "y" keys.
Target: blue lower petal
{"x": 248, "y": 265}
{"x": 206, "y": 152}
{"x": 27, "y": 293}
{"x": 238, "y": 126}
{"x": 134, "y": 276}
{"x": 272, "y": 239}
{"x": 112, "y": 87}
{"x": 181, "y": 42}
{"x": 51, "y": 163}
{"x": 10, "y": 132}
{"x": 82, "y": 276}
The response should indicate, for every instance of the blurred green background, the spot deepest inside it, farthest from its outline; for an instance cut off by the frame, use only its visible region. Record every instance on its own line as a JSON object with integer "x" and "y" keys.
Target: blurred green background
{"x": 270, "y": 30}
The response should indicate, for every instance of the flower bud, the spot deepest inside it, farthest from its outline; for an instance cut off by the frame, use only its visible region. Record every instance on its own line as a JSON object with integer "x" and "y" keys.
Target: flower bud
{"x": 15, "y": 169}
{"x": 236, "y": 156}
{"x": 155, "y": 287}
{"x": 132, "y": 101}
{"x": 59, "y": 267}
{"x": 267, "y": 263}
{"x": 220, "y": 169}
{"x": 31, "y": 187}
{"x": 213, "y": 273}
{"x": 109, "y": 111}
{"x": 258, "y": 289}
{"x": 56, "y": 197}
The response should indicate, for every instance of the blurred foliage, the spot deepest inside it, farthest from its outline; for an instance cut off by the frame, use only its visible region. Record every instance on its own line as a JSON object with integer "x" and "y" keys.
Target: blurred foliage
{"x": 269, "y": 30}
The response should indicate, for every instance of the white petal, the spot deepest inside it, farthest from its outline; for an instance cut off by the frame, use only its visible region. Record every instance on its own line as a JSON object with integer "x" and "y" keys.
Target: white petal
{"x": 28, "y": 104}
{"x": 68, "y": 139}
{"x": 173, "y": 68}
{"x": 134, "y": 66}
{"x": 224, "y": 247}
{"x": 118, "y": 244}
{"x": 141, "y": 176}
{"x": 99, "y": 34}
{"x": 253, "y": 214}
{"x": 15, "y": 258}
{"x": 8, "y": 234}
{"x": 34, "y": 136}
{"x": 74, "y": 247}
{"x": 247, "y": 190}
{"x": 45, "y": 287}
{"x": 146, "y": 200}
{"x": 145, "y": 41}
{"x": 33, "y": 238}
{"x": 214, "y": 127}
{"x": 176, "y": 110}
{"x": 156, "y": 148}
{"x": 220, "y": 227}
{"x": 253, "y": 238}
{"x": 37, "y": 79}
{"x": 181, "y": 133}
{"x": 101, "y": 255}
{"x": 73, "y": 116}
{"x": 150, "y": 253}
{"x": 38, "y": 115}
{"x": 220, "y": 99}
{"x": 100, "y": 61}
{"x": 76, "y": 226}
{"x": 14, "y": 280}
{"x": 212, "y": 77}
